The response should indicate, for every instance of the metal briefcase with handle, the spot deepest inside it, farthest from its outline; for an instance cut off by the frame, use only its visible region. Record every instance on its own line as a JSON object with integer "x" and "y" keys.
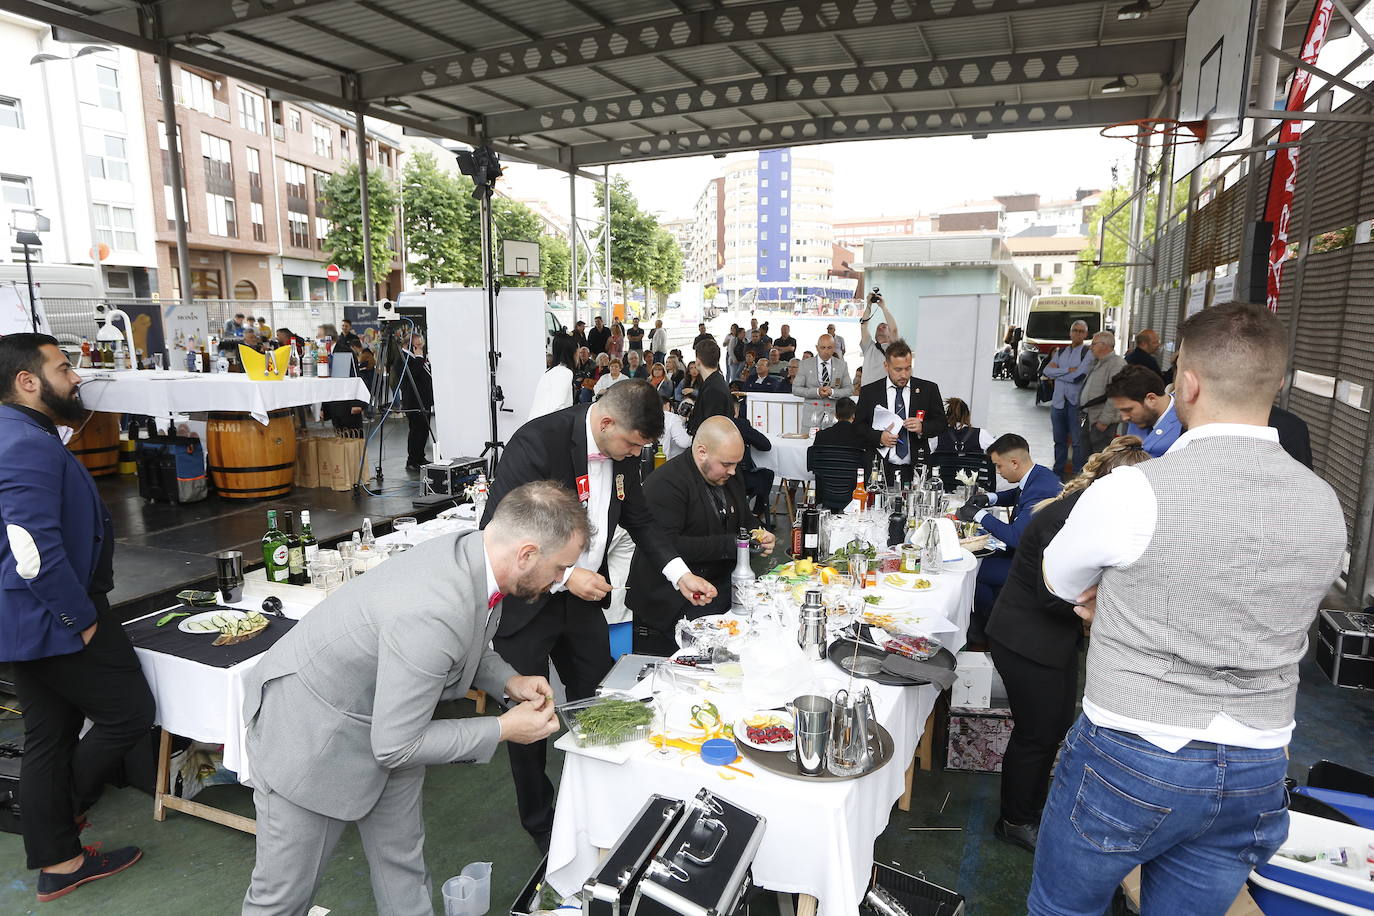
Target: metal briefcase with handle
{"x": 703, "y": 866}
{"x": 610, "y": 890}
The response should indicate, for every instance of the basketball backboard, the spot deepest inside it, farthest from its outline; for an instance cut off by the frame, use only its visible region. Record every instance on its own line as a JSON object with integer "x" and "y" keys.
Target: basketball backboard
{"x": 1215, "y": 87}
{"x": 519, "y": 259}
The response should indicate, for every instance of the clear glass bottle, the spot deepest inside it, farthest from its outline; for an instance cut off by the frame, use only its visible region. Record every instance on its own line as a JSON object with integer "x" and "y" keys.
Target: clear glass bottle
{"x": 368, "y": 541}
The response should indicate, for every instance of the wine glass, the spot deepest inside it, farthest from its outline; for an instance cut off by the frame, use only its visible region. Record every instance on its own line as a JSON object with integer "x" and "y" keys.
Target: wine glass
{"x": 663, "y": 687}
{"x": 403, "y": 526}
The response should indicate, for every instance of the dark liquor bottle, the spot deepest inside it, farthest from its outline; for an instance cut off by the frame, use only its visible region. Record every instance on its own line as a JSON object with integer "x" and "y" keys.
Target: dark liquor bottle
{"x": 811, "y": 532}
{"x": 275, "y": 554}
{"x": 295, "y": 551}
{"x": 308, "y": 542}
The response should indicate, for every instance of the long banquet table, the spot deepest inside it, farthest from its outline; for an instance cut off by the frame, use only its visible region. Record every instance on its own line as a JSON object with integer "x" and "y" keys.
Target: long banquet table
{"x": 819, "y": 837}
{"x": 163, "y": 392}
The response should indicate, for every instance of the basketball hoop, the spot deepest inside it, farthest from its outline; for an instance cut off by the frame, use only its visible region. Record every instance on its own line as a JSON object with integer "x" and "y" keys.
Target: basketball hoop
{"x": 1142, "y": 131}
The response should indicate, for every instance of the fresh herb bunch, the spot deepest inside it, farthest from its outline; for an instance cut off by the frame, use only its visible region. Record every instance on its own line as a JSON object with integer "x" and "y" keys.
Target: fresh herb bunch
{"x": 610, "y": 721}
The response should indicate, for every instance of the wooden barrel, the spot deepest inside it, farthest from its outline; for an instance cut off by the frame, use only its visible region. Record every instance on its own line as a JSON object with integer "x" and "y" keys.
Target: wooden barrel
{"x": 247, "y": 460}
{"x": 97, "y": 444}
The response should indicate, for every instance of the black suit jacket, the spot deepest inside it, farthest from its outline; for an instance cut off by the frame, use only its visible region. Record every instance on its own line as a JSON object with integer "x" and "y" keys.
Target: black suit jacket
{"x": 596, "y": 340}
{"x": 713, "y": 400}
{"x": 689, "y": 526}
{"x": 554, "y": 447}
{"x": 1293, "y": 435}
{"x": 844, "y": 435}
{"x": 1028, "y": 618}
{"x": 921, "y": 395}
{"x": 1139, "y": 357}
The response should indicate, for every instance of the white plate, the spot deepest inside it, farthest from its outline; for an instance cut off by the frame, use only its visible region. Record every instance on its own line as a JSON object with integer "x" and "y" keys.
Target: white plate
{"x": 742, "y": 735}
{"x": 889, "y": 580}
{"x": 185, "y": 625}
{"x": 707, "y": 624}
{"x": 893, "y": 600}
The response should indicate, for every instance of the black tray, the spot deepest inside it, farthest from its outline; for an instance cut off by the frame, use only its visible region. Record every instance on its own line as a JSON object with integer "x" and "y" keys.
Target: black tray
{"x": 843, "y": 648}
{"x": 777, "y": 762}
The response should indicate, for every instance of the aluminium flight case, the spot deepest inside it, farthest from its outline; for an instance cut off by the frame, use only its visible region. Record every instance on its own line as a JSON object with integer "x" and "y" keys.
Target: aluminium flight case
{"x": 1345, "y": 647}
{"x": 609, "y": 891}
{"x": 703, "y": 868}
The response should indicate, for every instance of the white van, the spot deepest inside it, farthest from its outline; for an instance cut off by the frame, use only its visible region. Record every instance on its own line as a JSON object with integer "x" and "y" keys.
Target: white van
{"x": 1047, "y": 329}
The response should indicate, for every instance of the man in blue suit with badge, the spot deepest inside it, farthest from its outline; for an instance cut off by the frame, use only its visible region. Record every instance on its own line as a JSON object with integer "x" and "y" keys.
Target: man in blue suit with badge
{"x": 1031, "y": 484}
{"x": 1146, "y": 406}
{"x": 72, "y": 660}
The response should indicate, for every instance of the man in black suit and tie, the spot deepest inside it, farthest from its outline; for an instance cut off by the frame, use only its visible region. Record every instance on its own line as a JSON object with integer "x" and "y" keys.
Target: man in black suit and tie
{"x": 917, "y": 404}
{"x": 701, "y": 504}
{"x": 594, "y": 450}
{"x": 713, "y": 394}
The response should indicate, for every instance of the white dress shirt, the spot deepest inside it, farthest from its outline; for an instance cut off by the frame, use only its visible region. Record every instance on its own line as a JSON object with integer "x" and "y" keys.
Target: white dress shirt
{"x": 890, "y": 453}
{"x": 554, "y": 392}
{"x": 600, "y": 471}
{"x": 492, "y": 587}
{"x": 1112, "y": 526}
{"x": 675, "y": 438}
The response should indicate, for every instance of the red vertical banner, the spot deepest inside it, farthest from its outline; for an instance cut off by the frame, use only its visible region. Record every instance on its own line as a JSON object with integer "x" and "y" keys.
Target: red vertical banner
{"x": 1278, "y": 209}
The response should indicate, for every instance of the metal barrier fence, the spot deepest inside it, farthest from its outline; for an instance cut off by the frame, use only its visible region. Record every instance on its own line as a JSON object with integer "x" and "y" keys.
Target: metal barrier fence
{"x": 72, "y": 319}
{"x": 1325, "y": 299}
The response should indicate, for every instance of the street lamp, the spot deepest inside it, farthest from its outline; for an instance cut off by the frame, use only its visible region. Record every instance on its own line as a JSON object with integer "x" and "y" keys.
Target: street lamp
{"x": 26, "y": 225}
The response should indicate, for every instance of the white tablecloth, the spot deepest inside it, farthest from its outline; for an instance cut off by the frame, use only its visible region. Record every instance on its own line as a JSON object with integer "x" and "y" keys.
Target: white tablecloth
{"x": 169, "y": 392}
{"x": 202, "y": 702}
{"x": 787, "y": 459}
{"x": 819, "y": 836}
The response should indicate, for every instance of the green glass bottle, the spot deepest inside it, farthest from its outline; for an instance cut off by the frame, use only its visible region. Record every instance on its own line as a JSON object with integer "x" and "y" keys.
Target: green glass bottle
{"x": 295, "y": 553}
{"x": 275, "y": 552}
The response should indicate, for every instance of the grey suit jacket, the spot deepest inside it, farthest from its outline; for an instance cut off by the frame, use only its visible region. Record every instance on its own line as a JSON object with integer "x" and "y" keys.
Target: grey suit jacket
{"x": 808, "y": 381}
{"x": 349, "y": 694}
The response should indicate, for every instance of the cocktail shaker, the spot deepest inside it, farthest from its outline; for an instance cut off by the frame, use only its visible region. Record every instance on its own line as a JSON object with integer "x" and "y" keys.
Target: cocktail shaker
{"x": 811, "y": 626}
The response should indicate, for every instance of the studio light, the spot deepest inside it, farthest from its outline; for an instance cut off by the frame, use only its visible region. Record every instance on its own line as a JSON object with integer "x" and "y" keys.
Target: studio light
{"x": 517, "y": 143}
{"x": 395, "y": 104}
{"x": 1120, "y": 84}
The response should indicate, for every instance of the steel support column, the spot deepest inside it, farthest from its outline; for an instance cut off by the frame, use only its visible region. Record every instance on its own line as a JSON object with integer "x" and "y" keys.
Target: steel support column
{"x": 360, "y": 125}
{"x": 169, "y": 118}
{"x": 572, "y": 244}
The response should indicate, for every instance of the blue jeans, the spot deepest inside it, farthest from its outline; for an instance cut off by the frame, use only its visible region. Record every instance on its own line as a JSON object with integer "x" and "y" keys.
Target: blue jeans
{"x": 1064, "y": 423}
{"x": 1197, "y": 821}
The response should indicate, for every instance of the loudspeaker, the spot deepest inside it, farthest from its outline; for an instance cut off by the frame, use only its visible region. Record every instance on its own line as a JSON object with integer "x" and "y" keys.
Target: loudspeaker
{"x": 1252, "y": 279}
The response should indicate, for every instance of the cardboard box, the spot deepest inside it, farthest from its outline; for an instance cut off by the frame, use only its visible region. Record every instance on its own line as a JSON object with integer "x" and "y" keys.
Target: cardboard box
{"x": 977, "y": 739}
{"x": 1243, "y": 905}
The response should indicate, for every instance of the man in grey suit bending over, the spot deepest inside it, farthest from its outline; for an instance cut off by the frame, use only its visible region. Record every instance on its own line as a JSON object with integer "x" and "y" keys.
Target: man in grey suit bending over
{"x": 340, "y": 712}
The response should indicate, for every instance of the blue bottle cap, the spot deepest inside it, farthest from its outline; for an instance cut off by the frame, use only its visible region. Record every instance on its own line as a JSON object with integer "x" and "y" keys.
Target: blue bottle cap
{"x": 719, "y": 751}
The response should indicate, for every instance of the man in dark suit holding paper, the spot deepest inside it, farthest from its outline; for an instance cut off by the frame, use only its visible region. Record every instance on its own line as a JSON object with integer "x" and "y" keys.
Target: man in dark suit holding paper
{"x": 594, "y": 450}
{"x": 917, "y": 406}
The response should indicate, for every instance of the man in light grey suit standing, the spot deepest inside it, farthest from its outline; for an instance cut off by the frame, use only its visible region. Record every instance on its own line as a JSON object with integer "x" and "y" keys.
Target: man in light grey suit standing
{"x": 340, "y": 711}
{"x": 824, "y": 376}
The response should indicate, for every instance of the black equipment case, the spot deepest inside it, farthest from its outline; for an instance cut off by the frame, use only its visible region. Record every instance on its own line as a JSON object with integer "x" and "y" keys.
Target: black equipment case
{"x": 1345, "y": 647}
{"x": 703, "y": 868}
{"x": 610, "y": 891}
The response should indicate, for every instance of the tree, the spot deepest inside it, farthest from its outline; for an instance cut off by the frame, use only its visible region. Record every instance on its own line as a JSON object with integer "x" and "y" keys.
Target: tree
{"x": 1110, "y": 282}
{"x": 632, "y": 233}
{"x": 555, "y": 263}
{"x": 665, "y": 268}
{"x": 436, "y": 208}
{"x": 710, "y": 292}
{"x": 342, "y": 207}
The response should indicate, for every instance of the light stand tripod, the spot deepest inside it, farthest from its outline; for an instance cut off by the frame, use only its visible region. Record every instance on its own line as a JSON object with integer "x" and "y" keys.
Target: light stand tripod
{"x": 483, "y": 166}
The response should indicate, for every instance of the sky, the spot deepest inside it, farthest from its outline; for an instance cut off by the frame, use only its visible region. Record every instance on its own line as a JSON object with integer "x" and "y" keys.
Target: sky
{"x": 879, "y": 177}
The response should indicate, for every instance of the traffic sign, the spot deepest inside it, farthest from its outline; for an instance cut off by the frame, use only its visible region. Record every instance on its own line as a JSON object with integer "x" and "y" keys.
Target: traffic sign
{"x": 332, "y": 273}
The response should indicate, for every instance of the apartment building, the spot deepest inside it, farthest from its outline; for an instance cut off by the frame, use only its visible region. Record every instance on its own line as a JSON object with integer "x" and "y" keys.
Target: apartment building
{"x": 705, "y": 250}
{"x": 1050, "y": 261}
{"x": 851, "y": 233}
{"x": 254, "y": 171}
{"x": 73, "y": 151}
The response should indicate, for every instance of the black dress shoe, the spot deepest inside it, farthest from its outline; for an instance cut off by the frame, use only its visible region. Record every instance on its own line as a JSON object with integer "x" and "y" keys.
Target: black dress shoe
{"x": 1023, "y": 835}
{"x": 97, "y": 865}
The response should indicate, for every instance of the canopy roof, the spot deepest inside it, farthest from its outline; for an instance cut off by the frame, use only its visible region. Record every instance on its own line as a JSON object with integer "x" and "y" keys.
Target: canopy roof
{"x": 573, "y": 83}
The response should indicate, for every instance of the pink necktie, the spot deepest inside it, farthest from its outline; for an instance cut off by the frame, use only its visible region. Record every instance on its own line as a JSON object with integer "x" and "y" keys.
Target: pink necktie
{"x": 494, "y": 600}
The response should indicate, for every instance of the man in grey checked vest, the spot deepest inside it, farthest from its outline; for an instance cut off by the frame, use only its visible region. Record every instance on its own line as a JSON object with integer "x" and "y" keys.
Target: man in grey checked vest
{"x": 1203, "y": 590}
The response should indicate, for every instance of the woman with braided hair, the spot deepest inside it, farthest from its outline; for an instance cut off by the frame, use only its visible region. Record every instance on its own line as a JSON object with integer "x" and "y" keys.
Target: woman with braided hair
{"x": 1041, "y": 672}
